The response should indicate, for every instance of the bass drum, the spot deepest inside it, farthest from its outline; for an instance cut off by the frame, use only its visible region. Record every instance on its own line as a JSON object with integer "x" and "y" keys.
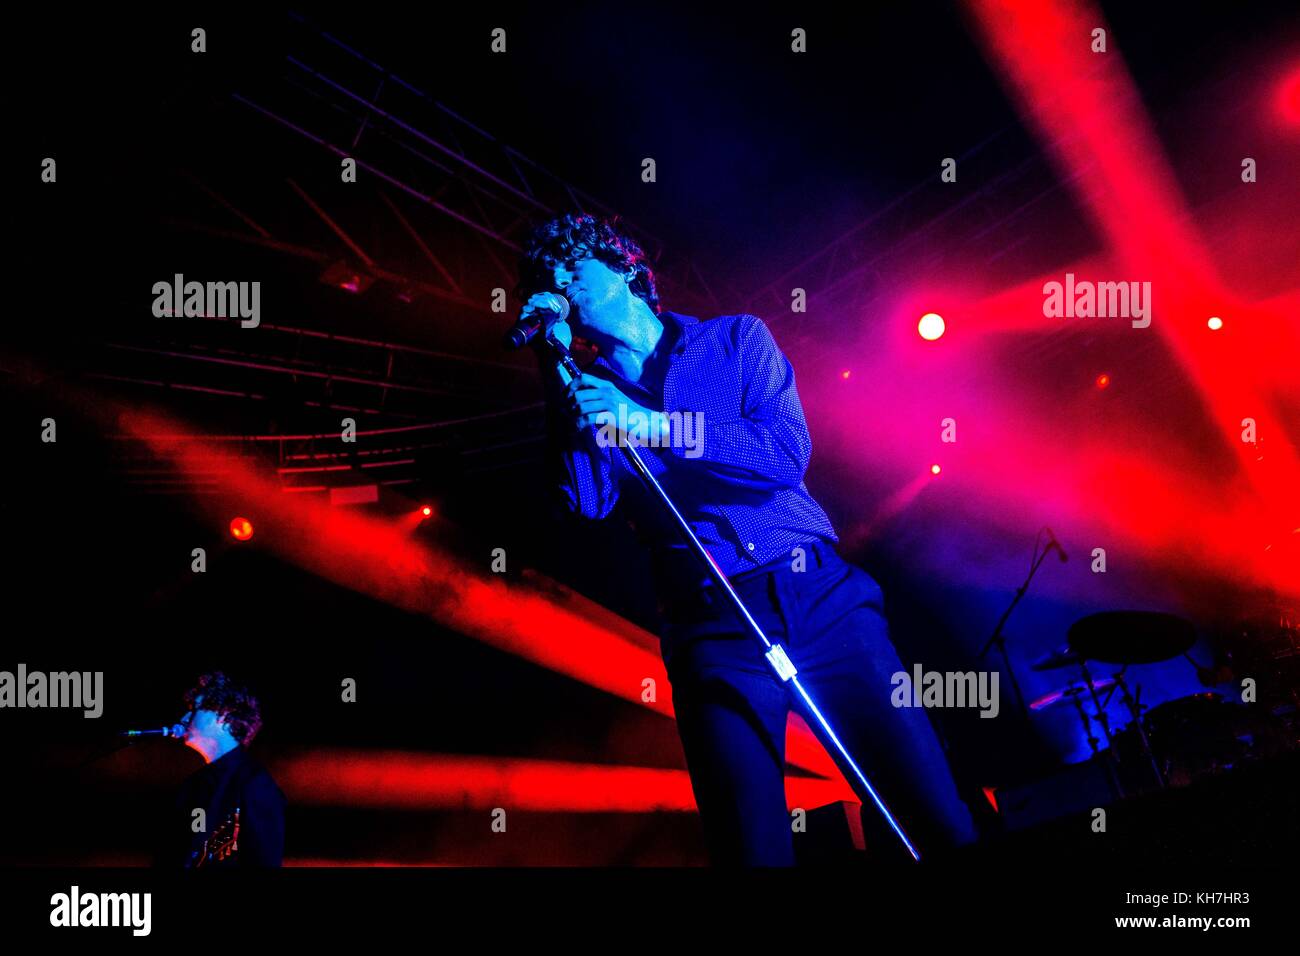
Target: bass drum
{"x": 1202, "y": 734}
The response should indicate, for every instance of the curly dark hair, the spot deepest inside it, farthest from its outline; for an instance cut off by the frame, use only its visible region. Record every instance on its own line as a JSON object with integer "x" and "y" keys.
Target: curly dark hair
{"x": 580, "y": 235}
{"x": 233, "y": 702}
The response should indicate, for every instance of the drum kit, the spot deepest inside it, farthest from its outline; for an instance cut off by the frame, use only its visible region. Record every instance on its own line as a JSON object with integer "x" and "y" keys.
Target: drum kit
{"x": 1168, "y": 745}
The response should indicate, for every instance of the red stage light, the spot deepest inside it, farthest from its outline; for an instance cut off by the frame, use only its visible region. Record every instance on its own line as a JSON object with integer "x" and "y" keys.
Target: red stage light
{"x": 931, "y": 326}
{"x": 1290, "y": 97}
{"x": 241, "y": 528}
{"x": 1103, "y": 380}
{"x": 426, "y": 511}
{"x": 1215, "y": 323}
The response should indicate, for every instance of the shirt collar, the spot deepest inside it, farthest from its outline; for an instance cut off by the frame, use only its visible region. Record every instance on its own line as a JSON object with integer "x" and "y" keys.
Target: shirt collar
{"x": 228, "y": 759}
{"x": 685, "y": 326}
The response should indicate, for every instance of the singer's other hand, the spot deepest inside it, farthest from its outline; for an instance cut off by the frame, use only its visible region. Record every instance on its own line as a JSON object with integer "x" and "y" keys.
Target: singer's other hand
{"x": 592, "y": 400}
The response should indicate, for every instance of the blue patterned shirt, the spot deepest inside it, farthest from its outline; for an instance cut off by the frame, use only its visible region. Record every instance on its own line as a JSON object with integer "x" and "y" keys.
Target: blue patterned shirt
{"x": 740, "y": 484}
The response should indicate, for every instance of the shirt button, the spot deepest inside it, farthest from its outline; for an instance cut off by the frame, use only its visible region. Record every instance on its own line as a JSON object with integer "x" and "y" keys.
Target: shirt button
{"x": 750, "y": 546}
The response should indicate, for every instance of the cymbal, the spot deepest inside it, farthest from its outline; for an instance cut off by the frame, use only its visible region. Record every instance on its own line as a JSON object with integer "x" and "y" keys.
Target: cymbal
{"x": 1070, "y": 692}
{"x": 1061, "y": 657}
{"x": 1130, "y": 637}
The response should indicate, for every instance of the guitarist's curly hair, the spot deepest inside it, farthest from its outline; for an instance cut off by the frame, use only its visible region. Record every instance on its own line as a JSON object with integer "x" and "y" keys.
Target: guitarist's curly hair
{"x": 234, "y": 702}
{"x": 580, "y": 235}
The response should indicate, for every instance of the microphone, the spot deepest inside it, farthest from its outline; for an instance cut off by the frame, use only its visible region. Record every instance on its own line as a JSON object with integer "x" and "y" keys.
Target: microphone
{"x": 175, "y": 730}
{"x": 526, "y": 329}
{"x": 1053, "y": 543}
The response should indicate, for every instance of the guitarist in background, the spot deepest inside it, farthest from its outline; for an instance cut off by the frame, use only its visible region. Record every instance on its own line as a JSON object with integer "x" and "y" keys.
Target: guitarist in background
{"x": 243, "y": 806}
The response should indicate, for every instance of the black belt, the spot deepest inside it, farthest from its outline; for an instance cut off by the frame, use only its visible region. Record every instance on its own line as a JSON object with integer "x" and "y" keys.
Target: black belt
{"x": 680, "y": 576}
{"x": 816, "y": 552}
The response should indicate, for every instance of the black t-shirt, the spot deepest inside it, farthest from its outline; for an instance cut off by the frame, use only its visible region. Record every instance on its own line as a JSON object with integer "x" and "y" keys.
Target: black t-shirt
{"x": 234, "y": 780}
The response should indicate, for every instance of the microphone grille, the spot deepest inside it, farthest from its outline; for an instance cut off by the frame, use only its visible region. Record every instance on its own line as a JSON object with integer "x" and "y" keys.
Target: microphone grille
{"x": 561, "y": 307}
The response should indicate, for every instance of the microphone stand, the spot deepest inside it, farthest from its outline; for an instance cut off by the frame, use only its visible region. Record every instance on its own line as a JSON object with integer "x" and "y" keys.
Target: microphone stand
{"x": 998, "y": 637}
{"x": 774, "y": 653}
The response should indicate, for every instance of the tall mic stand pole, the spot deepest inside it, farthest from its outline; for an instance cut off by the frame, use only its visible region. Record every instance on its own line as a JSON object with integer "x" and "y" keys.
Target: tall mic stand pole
{"x": 1000, "y": 640}
{"x": 774, "y": 653}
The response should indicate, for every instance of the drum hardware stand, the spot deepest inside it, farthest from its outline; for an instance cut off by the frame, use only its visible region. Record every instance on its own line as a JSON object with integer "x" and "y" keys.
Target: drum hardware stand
{"x": 774, "y": 653}
{"x": 1111, "y": 758}
{"x": 1135, "y": 708}
{"x": 1084, "y": 719}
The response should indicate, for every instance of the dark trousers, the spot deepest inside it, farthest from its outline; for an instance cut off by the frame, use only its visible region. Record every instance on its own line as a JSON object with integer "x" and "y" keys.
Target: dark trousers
{"x": 731, "y": 710}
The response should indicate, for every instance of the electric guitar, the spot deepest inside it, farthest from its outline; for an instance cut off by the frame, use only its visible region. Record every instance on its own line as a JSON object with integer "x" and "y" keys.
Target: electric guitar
{"x": 221, "y": 845}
